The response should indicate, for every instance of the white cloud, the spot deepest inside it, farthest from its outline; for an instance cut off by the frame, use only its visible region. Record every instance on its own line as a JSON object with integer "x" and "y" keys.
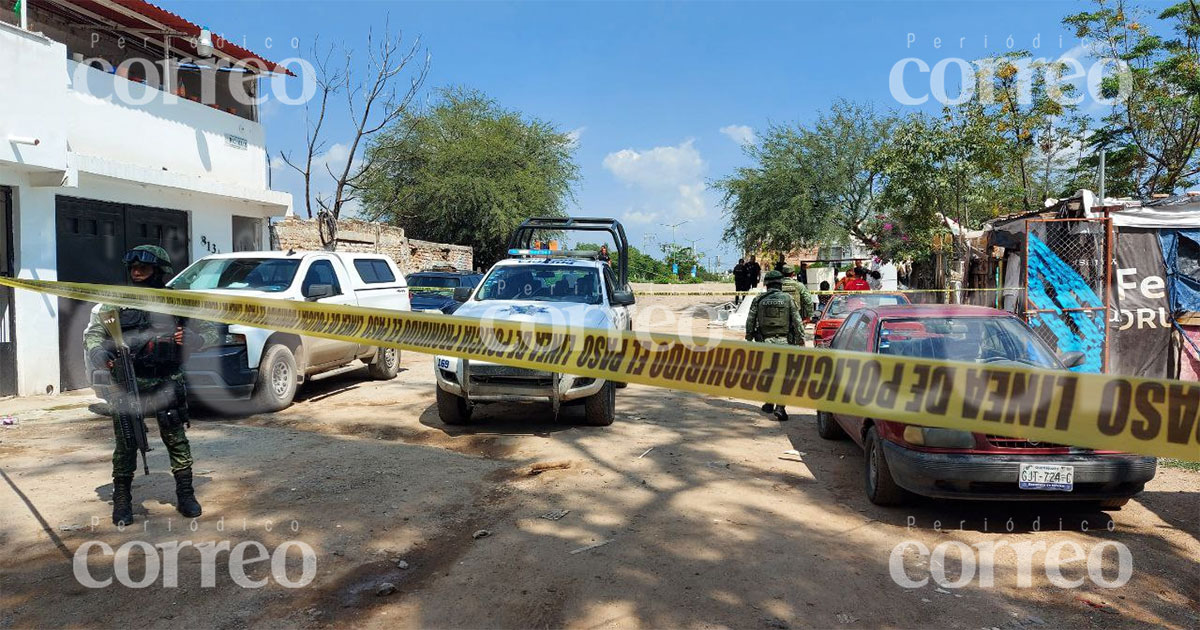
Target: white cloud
{"x": 741, "y": 134}
{"x": 637, "y": 217}
{"x": 669, "y": 181}
{"x": 660, "y": 167}
{"x": 690, "y": 204}
{"x": 575, "y": 134}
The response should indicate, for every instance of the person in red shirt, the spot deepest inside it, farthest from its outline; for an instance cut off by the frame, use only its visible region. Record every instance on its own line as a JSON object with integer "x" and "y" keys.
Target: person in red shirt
{"x": 857, "y": 282}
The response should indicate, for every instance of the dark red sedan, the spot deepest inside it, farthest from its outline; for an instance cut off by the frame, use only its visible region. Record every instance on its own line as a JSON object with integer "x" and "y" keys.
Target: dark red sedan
{"x": 947, "y": 463}
{"x": 840, "y": 306}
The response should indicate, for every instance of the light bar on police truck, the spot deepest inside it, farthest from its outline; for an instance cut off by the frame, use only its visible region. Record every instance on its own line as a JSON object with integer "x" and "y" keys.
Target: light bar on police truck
{"x": 532, "y": 252}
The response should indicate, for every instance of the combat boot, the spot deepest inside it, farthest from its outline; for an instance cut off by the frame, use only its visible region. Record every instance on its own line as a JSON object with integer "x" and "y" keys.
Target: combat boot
{"x": 185, "y": 496}
{"x": 122, "y": 500}
{"x": 768, "y": 407}
{"x": 781, "y": 414}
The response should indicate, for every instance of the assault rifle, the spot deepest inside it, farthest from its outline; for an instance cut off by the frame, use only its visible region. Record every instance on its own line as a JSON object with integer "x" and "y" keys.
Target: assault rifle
{"x": 125, "y": 399}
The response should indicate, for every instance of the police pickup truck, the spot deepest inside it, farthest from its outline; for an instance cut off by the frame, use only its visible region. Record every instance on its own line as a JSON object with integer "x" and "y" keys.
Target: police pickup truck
{"x": 265, "y": 366}
{"x": 548, "y": 286}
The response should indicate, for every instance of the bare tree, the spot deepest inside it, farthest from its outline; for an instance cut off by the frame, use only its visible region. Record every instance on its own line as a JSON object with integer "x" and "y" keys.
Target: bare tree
{"x": 373, "y": 104}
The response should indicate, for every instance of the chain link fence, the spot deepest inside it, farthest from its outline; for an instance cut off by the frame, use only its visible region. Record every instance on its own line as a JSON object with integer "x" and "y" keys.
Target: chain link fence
{"x": 1068, "y": 267}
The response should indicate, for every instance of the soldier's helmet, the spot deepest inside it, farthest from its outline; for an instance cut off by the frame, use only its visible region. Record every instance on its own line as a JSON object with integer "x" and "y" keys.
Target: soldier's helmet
{"x": 773, "y": 277}
{"x": 152, "y": 255}
{"x": 789, "y": 270}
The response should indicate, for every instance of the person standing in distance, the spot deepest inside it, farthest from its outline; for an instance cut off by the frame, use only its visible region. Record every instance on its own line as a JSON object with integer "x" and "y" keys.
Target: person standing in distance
{"x": 740, "y": 285}
{"x": 774, "y": 318}
{"x": 753, "y": 272}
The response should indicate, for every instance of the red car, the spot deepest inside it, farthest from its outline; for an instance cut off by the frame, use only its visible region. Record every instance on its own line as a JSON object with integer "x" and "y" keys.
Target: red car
{"x": 840, "y": 306}
{"x": 948, "y": 463}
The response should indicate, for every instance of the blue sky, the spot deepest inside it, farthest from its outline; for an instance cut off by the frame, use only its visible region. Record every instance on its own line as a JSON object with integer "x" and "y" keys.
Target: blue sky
{"x": 659, "y": 94}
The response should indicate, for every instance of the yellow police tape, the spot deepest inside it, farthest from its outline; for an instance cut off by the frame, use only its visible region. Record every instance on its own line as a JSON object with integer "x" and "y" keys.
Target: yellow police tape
{"x": 1150, "y": 416}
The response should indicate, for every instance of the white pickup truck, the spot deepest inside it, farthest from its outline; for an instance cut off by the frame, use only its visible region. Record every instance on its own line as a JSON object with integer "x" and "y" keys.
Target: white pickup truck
{"x": 542, "y": 286}
{"x": 267, "y": 366}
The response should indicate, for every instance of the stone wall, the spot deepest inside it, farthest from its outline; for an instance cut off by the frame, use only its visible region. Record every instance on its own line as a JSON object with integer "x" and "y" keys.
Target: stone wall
{"x": 374, "y": 238}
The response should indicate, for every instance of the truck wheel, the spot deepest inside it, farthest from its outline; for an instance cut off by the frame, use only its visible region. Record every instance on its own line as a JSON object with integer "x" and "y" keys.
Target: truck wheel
{"x": 881, "y": 487}
{"x": 600, "y": 409}
{"x": 277, "y": 380}
{"x": 452, "y": 409}
{"x": 828, "y": 428}
{"x": 385, "y": 365}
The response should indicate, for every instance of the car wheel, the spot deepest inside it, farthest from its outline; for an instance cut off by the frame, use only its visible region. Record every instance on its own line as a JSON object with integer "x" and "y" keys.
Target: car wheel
{"x": 385, "y": 365}
{"x": 600, "y": 409}
{"x": 277, "y": 380}
{"x": 1112, "y": 504}
{"x": 828, "y": 428}
{"x": 881, "y": 487}
{"x": 452, "y": 409}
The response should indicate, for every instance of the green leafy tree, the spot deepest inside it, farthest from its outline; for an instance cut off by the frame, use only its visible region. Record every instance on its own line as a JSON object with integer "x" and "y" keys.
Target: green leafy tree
{"x": 1153, "y": 131}
{"x": 468, "y": 171}
{"x": 1033, "y": 124}
{"x": 808, "y": 184}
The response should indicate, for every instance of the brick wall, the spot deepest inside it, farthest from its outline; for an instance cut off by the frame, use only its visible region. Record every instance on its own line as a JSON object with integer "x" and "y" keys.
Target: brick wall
{"x": 374, "y": 238}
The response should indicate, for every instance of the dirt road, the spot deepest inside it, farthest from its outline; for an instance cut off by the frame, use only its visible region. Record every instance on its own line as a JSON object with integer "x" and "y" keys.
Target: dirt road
{"x": 685, "y": 513}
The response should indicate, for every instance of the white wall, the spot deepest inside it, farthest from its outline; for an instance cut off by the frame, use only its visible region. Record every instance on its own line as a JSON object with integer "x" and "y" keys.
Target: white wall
{"x": 32, "y": 98}
{"x": 35, "y": 314}
{"x": 79, "y": 109}
{"x": 161, "y": 131}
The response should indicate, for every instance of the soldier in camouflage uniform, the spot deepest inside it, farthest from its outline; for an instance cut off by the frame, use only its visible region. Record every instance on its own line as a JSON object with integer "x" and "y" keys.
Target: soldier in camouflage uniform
{"x": 800, "y": 295}
{"x": 775, "y": 318}
{"x": 157, "y": 344}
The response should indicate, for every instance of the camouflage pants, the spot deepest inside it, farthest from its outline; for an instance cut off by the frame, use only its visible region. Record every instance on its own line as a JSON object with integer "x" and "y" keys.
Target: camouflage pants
{"x": 125, "y": 459}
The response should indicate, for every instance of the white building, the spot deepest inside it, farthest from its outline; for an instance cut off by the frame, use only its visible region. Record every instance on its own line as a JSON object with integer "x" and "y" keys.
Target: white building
{"x": 94, "y": 161}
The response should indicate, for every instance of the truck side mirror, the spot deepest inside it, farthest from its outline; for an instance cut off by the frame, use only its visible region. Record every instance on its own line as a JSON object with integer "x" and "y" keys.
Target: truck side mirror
{"x": 623, "y": 298}
{"x": 316, "y": 292}
{"x": 462, "y": 294}
{"x": 1073, "y": 359}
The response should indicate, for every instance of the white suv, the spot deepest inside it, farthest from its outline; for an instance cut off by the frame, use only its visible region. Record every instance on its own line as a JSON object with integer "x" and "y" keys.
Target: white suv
{"x": 545, "y": 286}
{"x": 267, "y": 366}
{"x": 572, "y": 289}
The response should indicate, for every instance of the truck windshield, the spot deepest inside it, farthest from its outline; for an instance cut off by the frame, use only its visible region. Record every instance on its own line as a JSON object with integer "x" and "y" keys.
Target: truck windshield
{"x": 270, "y": 275}
{"x": 542, "y": 283}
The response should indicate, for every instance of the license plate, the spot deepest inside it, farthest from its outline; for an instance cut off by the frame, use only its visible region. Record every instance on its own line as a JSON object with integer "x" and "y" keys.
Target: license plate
{"x": 1053, "y": 477}
{"x": 443, "y": 364}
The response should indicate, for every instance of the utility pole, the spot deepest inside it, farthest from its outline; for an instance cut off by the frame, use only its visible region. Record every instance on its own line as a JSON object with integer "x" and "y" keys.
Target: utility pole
{"x": 1101, "y": 177}
{"x": 646, "y": 238}
{"x": 673, "y": 246}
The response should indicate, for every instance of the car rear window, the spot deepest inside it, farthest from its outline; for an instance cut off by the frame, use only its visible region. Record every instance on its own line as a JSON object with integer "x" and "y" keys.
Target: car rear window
{"x": 843, "y": 305}
{"x": 374, "y": 270}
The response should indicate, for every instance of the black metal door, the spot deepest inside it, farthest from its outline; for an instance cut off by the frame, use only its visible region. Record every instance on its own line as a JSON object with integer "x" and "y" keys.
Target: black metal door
{"x": 154, "y": 226}
{"x": 92, "y": 238}
{"x": 8, "y": 341}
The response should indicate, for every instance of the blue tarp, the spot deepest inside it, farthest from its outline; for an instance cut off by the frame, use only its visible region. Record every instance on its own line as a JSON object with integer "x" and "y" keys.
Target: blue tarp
{"x": 1181, "y": 254}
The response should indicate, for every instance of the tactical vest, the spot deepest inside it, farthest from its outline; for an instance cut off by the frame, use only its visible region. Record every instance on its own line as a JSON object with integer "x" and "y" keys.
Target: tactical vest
{"x": 775, "y": 314}
{"x": 139, "y": 328}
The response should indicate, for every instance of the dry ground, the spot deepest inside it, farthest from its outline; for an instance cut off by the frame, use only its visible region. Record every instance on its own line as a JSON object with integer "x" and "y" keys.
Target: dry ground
{"x": 705, "y": 522}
